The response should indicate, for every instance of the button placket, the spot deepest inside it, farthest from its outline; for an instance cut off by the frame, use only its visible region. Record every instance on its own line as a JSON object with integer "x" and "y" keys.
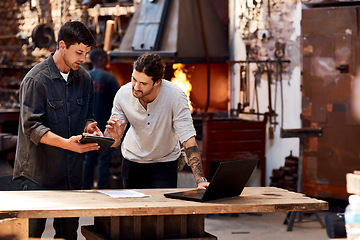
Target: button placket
{"x": 148, "y": 118}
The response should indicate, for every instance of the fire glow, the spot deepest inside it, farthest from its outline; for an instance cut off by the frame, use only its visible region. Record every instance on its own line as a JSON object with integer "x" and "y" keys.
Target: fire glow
{"x": 181, "y": 80}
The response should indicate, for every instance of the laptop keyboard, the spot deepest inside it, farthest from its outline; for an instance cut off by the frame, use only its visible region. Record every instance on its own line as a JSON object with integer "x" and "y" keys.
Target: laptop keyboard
{"x": 196, "y": 194}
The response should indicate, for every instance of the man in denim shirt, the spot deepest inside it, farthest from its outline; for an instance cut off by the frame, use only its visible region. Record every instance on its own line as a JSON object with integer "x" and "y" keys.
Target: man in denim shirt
{"x": 56, "y": 107}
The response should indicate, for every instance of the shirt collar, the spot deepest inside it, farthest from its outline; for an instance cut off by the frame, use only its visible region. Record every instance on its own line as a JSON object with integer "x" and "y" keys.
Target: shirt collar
{"x": 55, "y": 72}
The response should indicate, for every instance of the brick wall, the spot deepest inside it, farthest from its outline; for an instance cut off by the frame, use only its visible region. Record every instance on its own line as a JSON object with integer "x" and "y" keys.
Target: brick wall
{"x": 10, "y": 43}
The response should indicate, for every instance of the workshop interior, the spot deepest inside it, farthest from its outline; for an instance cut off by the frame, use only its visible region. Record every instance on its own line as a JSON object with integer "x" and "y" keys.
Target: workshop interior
{"x": 276, "y": 80}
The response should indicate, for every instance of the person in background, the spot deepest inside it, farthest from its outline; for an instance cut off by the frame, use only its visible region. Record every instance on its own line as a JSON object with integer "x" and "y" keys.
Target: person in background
{"x": 159, "y": 116}
{"x": 106, "y": 86}
{"x": 56, "y": 108}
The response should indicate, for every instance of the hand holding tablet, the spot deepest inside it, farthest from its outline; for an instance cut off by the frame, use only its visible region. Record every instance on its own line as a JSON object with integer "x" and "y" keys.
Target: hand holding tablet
{"x": 104, "y": 142}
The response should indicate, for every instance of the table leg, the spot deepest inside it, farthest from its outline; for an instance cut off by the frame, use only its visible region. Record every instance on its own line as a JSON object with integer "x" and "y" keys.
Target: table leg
{"x": 14, "y": 228}
{"x": 148, "y": 227}
{"x": 291, "y": 220}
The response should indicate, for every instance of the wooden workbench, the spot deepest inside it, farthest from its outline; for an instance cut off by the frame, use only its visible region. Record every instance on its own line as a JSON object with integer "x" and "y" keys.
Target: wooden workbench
{"x": 154, "y": 217}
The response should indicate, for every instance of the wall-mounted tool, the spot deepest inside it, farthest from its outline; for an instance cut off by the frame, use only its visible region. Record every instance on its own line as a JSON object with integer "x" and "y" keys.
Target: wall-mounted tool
{"x": 43, "y": 36}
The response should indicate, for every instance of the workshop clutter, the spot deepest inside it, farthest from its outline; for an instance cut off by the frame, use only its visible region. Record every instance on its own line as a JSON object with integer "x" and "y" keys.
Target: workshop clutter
{"x": 286, "y": 176}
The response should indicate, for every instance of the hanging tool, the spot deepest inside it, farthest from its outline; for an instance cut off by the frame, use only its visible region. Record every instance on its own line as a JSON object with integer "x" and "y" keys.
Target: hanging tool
{"x": 244, "y": 89}
{"x": 279, "y": 54}
{"x": 257, "y": 76}
{"x": 272, "y": 113}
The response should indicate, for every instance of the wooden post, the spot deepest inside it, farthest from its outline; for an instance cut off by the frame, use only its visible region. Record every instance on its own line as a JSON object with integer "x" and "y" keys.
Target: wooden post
{"x": 109, "y": 31}
{"x": 14, "y": 228}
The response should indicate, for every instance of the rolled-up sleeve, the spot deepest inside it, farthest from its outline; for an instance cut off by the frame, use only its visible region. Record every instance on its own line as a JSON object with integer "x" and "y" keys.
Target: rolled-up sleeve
{"x": 183, "y": 122}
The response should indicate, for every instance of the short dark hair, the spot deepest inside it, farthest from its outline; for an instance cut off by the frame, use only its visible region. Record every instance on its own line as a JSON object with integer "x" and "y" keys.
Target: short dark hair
{"x": 75, "y": 32}
{"x": 151, "y": 64}
{"x": 98, "y": 57}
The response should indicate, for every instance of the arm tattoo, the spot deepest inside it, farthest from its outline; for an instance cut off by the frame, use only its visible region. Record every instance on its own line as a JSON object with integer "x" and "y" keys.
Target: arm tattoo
{"x": 194, "y": 158}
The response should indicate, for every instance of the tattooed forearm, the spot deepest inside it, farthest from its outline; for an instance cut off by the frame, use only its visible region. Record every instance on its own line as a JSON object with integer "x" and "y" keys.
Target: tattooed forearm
{"x": 191, "y": 151}
{"x": 194, "y": 158}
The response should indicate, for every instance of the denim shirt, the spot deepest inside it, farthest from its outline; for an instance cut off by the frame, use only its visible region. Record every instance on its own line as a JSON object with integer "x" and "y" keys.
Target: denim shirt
{"x": 49, "y": 103}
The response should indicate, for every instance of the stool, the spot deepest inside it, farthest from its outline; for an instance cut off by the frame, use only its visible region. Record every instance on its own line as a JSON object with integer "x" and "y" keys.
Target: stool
{"x": 300, "y": 133}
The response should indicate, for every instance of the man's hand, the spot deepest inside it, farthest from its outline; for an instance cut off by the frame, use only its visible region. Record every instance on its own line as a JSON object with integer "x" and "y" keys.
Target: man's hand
{"x": 115, "y": 130}
{"x": 75, "y": 146}
{"x": 71, "y": 143}
{"x": 92, "y": 129}
{"x": 203, "y": 185}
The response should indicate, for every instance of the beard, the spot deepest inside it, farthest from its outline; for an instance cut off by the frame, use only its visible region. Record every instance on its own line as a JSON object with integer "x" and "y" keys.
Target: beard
{"x": 140, "y": 93}
{"x": 72, "y": 65}
{"x": 75, "y": 66}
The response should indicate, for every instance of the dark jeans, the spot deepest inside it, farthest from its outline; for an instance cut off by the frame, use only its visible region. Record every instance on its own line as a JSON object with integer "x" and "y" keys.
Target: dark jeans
{"x": 64, "y": 227}
{"x": 149, "y": 175}
{"x": 102, "y": 160}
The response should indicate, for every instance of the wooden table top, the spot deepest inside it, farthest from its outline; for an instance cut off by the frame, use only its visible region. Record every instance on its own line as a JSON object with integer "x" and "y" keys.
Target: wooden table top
{"x": 87, "y": 203}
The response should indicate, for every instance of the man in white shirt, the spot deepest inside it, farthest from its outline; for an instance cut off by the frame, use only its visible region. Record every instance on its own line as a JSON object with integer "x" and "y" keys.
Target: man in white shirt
{"x": 160, "y": 119}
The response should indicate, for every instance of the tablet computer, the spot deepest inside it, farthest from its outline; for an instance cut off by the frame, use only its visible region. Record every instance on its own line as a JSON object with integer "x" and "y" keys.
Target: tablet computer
{"x": 104, "y": 142}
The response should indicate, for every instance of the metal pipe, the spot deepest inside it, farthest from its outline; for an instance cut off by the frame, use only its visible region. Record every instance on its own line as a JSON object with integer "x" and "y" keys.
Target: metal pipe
{"x": 237, "y": 53}
{"x": 203, "y": 38}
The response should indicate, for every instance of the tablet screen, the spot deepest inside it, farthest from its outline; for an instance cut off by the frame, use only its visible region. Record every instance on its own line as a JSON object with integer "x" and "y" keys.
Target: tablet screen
{"x": 104, "y": 142}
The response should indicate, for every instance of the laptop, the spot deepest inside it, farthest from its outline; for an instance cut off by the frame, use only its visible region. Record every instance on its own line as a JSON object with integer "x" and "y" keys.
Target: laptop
{"x": 229, "y": 180}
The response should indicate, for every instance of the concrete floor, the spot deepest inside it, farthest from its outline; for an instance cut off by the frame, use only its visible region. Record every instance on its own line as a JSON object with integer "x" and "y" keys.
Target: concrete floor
{"x": 262, "y": 226}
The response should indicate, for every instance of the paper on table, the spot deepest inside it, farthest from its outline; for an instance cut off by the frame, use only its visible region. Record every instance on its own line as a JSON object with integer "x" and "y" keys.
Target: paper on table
{"x": 124, "y": 194}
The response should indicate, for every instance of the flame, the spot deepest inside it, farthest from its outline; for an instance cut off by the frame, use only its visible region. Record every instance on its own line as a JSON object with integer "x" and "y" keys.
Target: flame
{"x": 182, "y": 81}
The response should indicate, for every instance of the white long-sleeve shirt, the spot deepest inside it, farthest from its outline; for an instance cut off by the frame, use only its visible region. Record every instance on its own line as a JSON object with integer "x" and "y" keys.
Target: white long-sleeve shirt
{"x": 155, "y": 132}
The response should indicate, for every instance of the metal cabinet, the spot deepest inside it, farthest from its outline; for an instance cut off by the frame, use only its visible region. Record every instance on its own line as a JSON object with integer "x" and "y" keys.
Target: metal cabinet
{"x": 330, "y": 38}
